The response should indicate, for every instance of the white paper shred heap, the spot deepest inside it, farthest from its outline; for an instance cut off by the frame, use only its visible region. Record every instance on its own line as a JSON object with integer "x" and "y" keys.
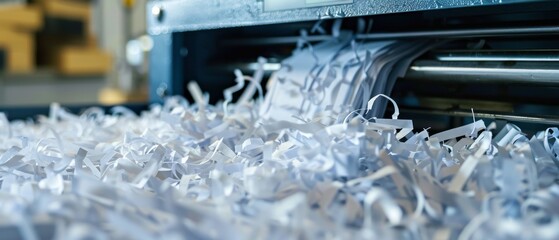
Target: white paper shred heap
{"x": 177, "y": 173}
{"x": 198, "y": 171}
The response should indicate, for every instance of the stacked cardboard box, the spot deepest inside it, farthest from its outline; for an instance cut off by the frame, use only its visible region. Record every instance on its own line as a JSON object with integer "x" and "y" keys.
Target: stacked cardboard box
{"x": 57, "y": 46}
{"x": 18, "y": 23}
{"x": 68, "y": 51}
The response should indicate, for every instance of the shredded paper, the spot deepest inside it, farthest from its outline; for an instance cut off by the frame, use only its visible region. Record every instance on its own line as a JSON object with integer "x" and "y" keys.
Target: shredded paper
{"x": 254, "y": 169}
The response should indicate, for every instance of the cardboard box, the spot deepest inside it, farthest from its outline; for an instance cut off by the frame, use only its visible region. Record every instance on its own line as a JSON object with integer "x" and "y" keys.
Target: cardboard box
{"x": 21, "y": 60}
{"x": 83, "y": 61}
{"x": 21, "y": 17}
{"x": 19, "y": 48}
{"x": 71, "y": 10}
{"x": 77, "y": 10}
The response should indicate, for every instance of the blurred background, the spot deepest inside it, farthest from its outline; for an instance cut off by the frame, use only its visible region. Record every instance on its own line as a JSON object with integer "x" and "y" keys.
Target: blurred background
{"x": 73, "y": 52}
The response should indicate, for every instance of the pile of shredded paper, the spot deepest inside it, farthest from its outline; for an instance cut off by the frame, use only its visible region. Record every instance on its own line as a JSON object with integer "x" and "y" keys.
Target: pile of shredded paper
{"x": 193, "y": 171}
{"x": 287, "y": 167}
